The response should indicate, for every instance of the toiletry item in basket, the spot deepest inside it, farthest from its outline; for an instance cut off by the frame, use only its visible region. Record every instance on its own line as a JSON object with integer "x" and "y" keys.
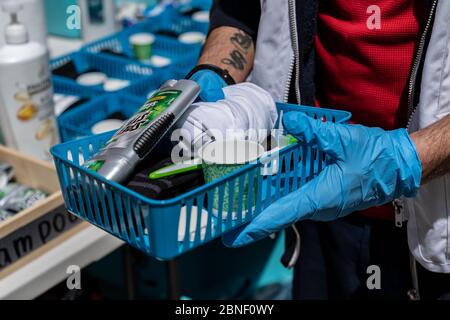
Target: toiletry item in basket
{"x": 159, "y": 61}
{"x": 112, "y": 84}
{"x": 201, "y": 16}
{"x": 166, "y": 187}
{"x": 139, "y": 135}
{"x": 176, "y": 168}
{"x": 192, "y": 37}
{"x": 64, "y": 102}
{"x": 92, "y": 79}
{"x": 106, "y": 125}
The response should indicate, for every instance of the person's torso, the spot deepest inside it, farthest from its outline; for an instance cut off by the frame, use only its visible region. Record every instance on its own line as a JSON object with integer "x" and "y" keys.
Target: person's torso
{"x": 365, "y": 52}
{"x": 364, "y": 57}
{"x": 428, "y": 213}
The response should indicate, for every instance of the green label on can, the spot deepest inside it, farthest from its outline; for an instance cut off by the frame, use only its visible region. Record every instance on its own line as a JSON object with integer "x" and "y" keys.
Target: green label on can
{"x": 154, "y": 106}
{"x": 94, "y": 165}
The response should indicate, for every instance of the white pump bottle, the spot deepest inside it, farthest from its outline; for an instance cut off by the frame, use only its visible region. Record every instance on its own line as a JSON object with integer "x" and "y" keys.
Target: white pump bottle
{"x": 27, "y": 121}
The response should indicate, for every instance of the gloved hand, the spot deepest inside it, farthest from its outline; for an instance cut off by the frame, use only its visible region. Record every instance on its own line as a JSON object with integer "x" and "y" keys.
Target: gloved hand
{"x": 211, "y": 85}
{"x": 369, "y": 167}
{"x": 247, "y": 111}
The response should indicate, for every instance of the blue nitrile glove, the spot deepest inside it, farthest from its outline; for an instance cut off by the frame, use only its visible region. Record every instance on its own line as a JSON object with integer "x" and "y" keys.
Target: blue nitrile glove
{"x": 369, "y": 167}
{"x": 211, "y": 85}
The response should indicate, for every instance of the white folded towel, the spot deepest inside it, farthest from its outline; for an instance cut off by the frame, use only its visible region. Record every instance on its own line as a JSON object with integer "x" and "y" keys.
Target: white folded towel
{"x": 247, "y": 112}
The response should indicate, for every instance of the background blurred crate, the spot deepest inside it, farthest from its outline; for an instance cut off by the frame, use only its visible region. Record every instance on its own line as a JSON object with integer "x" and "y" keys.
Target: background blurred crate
{"x": 204, "y": 5}
{"x": 77, "y": 123}
{"x": 182, "y": 56}
{"x": 138, "y": 75}
{"x": 179, "y": 23}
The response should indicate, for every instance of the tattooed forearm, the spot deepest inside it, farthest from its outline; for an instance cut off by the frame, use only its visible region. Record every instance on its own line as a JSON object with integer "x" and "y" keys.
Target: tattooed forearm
{"x": 242, "y": 42}
{"x": 231, "y": 49}
{"x": 236, "y": 59}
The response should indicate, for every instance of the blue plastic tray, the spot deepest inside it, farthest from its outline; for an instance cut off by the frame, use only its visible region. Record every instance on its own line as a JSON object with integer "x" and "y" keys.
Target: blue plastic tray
{"x": 180, "y": 23}
{"x": 142, "y": 78}
{"x": 201, "y": 4}
{"x": 156, "y": 227}
{"x": 183, "y": 56}
{"x": 77, "y": 123}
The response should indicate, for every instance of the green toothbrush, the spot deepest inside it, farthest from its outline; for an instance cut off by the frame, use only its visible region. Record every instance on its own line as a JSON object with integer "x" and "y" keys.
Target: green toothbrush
{"x": 175, "y": 169}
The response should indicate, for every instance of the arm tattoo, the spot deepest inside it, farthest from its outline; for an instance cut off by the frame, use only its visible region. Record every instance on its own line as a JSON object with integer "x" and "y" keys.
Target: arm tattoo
{"x": 237, "y": 60}
{"x": 241, "y": 40}
{"x": 242, "y": 43}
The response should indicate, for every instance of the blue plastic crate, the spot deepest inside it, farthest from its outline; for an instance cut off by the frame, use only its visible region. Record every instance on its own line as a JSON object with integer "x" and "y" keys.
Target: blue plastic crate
{"x": 179, "y": 23}
{"x": 177, "y": 7}
{"x": 142, "y": 78}
{"x": 201, "y": 4}
{"x": 154, "y": 226}
{"x": 77, "y": 123}
{"x": 183, "y": 56}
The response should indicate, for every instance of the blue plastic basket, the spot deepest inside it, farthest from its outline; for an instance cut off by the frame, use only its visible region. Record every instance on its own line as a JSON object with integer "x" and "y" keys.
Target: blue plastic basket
{"x": 156, "y": 226}
{"x": 201, "y": 4}
{"x": 77, "y": 123}
{"x": 183, "y": 56}
{"x": 142, "y": 78}
{"x": 177, "y": 7}
{"x": 179, "y": 23}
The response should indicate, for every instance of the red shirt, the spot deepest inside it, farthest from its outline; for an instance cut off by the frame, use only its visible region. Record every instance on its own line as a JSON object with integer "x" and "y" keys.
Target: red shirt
{"x": 365, "y": 50}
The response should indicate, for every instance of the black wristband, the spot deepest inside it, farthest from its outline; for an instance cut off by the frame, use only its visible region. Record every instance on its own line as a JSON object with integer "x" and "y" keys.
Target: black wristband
{"x": 223, "y": 73}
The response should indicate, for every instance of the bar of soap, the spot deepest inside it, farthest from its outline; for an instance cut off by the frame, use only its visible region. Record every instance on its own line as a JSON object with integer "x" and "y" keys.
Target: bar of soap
{"x": 92, "y": 79}
{"x": 201, "y": 16}
{"x": 159, "y": 61}
{"x": 193, "y": 37}
{"x": 112, "y": 84}
{"x": 106, "y": 125}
